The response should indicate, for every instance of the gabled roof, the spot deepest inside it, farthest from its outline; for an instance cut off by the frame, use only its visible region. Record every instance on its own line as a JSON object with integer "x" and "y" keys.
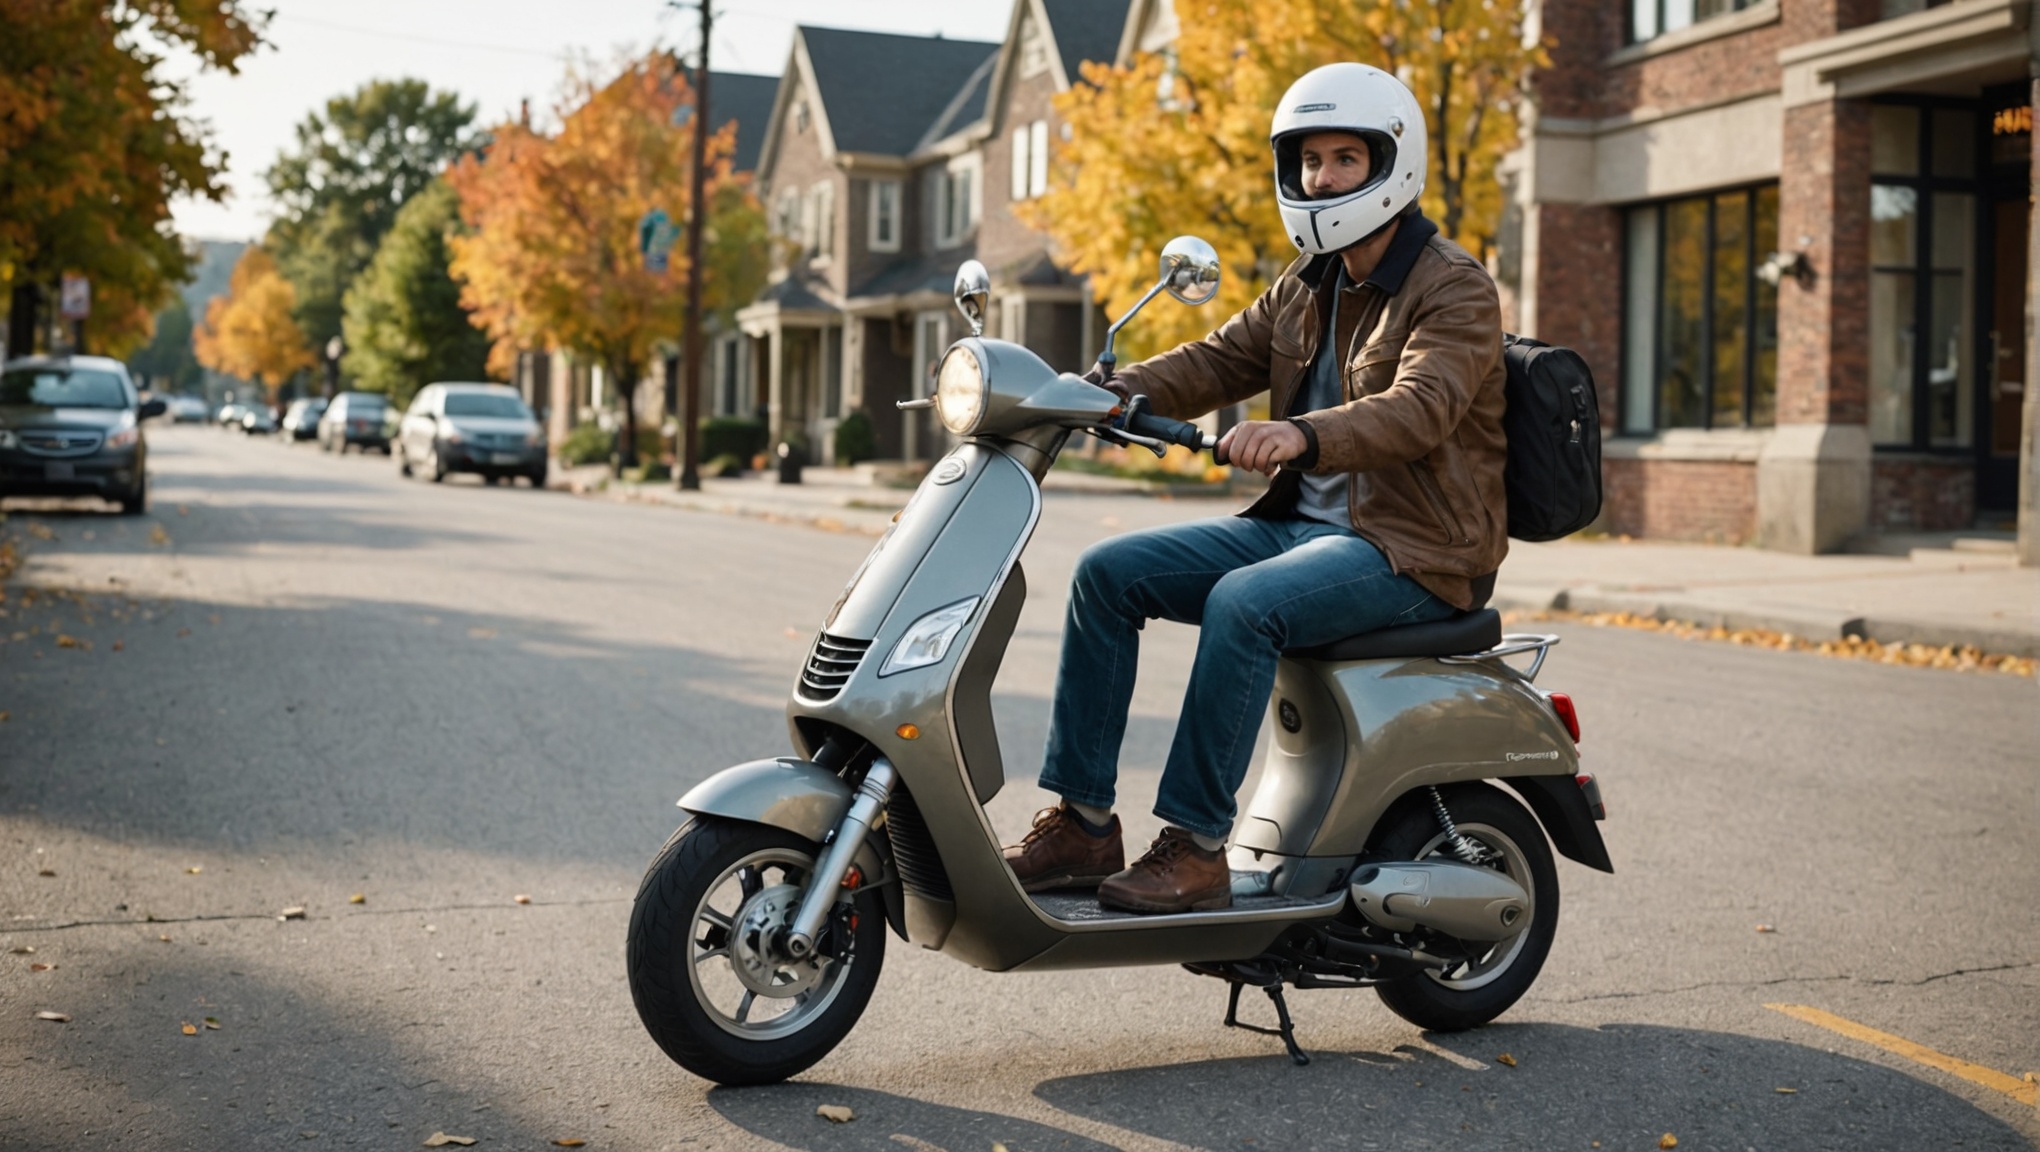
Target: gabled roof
{"x": 1085, "y": 30}
{"x": 881, "y": 93}
{"x": 966, "y": 108}
{"x": 748, "y": 101}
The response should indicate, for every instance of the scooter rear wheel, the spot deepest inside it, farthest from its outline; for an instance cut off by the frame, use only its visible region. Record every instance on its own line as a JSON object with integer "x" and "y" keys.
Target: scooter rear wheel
{"x": 705, "y": 984}
{"x": 1487, "y": 984}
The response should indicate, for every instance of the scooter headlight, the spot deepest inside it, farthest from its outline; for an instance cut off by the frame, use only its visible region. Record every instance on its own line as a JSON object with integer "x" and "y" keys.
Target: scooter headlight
{"x": 960, "y": 391}
{"x": 927, "y": 641}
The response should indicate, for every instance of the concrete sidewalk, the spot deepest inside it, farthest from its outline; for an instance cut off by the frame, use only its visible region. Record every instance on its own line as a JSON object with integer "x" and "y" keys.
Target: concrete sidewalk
{"x": 1951, "y": 589}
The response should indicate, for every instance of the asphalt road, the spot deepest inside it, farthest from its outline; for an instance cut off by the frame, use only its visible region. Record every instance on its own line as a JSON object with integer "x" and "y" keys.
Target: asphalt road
{"x": 300, "y": 679}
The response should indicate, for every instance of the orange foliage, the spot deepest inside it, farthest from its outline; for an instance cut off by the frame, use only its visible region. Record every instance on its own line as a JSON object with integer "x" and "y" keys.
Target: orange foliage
{"x": 249, "y": 331}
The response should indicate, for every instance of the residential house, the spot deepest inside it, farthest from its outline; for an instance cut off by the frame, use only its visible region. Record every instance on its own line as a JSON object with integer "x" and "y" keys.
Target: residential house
{"x": 1791, "y": 238}
{"x": 889, "y": 160}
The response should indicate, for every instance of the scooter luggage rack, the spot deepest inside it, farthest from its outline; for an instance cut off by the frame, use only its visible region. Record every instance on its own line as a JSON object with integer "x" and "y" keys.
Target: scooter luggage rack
{"x": 1514, "y": 644}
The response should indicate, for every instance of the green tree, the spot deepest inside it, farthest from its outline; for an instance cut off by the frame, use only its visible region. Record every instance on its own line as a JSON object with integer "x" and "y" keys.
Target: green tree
{"x": 94, "y": 145}
{"x": 404, "y": 324}
{"x": 354, "y": 167}
{"x": 167, "y": 361}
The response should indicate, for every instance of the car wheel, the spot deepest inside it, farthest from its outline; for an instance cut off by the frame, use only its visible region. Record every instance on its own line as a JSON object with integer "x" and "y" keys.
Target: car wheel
{"x": 435, "y": 467}
{"x": 537, "y": 476}
{"x": 403, "y": 462}
{"x": 137, "y": 502}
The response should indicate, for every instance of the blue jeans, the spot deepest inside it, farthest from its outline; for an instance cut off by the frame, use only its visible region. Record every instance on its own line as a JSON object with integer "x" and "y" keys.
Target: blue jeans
{"x": 1255, "y": 587}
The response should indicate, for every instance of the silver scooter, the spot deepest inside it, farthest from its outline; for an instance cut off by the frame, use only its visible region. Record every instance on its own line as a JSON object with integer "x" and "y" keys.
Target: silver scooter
{"x": 1378, "y": 850}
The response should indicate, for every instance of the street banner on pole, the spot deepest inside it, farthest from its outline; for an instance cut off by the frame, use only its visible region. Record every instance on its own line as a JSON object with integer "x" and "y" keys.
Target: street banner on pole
{"x": 74, "y": 298}
{"x": 656, "y": 234}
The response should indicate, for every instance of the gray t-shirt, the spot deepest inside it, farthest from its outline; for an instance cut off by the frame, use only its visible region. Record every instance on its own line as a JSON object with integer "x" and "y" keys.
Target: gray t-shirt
{"x": 1323, "y": 498}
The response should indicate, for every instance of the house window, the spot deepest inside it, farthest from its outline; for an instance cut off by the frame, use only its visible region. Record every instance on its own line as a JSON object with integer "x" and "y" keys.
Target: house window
{"x": 885, "y": 216}
{"x": 1013, "y": 319}
{"x": 800, "y": 116}
{"x": 1033, "y": 50}
{"x": 822, "y": 236}
{"x": 1700, "y": 325}
{"x": 1923, "y": 279}
{"x": 1030, "y": 160}
{"x": 955, "y": 199}
{"x": 1649, "y": 19}
{"x": 786, "y": 215}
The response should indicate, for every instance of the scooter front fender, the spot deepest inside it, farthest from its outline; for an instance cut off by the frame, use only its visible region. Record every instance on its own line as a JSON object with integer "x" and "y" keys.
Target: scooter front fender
{"x": 798, "y": 795}
{"x": 805, "y": 799}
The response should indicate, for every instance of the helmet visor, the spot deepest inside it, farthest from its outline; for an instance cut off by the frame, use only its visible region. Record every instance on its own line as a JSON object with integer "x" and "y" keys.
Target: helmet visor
{"x": 1289, "y": 163}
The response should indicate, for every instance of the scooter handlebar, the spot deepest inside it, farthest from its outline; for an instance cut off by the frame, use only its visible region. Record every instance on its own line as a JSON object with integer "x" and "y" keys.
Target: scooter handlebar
{"x": 1142, "y": 422}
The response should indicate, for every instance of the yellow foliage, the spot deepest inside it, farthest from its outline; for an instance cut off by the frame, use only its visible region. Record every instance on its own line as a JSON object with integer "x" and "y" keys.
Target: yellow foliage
{"x": 1179, "y": 142}
{"x": 249, "y": 331}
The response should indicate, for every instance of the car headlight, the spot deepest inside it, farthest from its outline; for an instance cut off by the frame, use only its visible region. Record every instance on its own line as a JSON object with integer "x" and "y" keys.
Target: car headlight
{"x": 960, "y": 391}
{"x": 9, "y": 438}
{"x": 123, "y": 437}
{"x": 535, "y": 437}
{"x": 452, "y": 434}
{"x": 927, "y": 640}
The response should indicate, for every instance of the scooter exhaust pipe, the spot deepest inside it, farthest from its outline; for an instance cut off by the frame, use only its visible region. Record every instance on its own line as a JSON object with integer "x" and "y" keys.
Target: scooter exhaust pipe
{"x": 1463, "y": 901}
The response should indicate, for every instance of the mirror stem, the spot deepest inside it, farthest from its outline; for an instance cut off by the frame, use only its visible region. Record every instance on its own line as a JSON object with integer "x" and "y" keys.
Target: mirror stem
{"x": 1107, "y": 358}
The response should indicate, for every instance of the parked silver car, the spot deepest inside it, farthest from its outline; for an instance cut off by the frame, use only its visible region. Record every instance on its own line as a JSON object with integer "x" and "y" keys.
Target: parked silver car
{"x": 481, "y": 428}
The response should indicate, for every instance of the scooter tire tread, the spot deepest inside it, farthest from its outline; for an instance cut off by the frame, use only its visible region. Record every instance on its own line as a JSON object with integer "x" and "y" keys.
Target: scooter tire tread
{"x": 696, "y": 853}
{"x": 1418, "y": 998}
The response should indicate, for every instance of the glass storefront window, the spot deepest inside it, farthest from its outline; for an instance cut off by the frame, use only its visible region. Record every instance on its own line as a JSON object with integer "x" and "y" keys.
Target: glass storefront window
{"x": 1894, "y": 216}
{"x": 1894, "y": 140}
{"x": 1954, "y": 143}
{"x": 1950, "y": 396}
{"x": 1891, "y": 356}
{"x": 1700, "y": 327}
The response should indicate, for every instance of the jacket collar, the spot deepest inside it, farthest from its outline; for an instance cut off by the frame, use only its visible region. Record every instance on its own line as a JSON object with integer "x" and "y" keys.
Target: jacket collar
{"x": 1411, "y": 236}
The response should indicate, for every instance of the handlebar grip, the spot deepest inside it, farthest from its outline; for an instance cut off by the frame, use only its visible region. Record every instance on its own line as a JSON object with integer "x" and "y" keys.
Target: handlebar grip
{"x": 1143, "y": 423}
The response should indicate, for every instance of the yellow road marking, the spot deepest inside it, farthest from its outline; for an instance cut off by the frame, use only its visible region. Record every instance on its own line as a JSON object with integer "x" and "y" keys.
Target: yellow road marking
{"x": 1977, "y": 1074}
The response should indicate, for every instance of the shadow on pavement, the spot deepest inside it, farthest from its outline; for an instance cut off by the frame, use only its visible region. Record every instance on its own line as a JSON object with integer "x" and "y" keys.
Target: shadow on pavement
{"x": 1624, "y": 1085}
{"x": 785, "y": 1114}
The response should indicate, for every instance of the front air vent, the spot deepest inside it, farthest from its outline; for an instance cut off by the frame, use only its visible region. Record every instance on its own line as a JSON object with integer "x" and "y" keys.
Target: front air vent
{"x": 829, "y": 666}
{"x": 913, "y": 849}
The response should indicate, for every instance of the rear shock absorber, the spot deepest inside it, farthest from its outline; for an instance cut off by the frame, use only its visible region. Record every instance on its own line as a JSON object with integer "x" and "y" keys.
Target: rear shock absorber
{"x": 1461, "y": 846}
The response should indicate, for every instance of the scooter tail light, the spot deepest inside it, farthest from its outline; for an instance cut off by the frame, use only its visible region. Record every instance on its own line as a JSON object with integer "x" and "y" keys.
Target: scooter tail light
{"x": 1591, "y": 789}
{"x": 1563, "y": 705}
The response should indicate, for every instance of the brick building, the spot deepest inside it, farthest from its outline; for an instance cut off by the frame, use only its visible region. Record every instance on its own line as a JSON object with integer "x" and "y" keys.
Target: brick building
{"x": 1792, "y": 237}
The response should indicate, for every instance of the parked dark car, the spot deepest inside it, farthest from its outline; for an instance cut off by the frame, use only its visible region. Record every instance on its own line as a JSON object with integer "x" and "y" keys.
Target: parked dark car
{"x": 301, "y": 420}
{"x": 258, "y": 420}
{"x": 481, "y": 428}
{"x": 188, "y": 409}
{"x": 72, "y": 426}
{"x": 355, "y": 419}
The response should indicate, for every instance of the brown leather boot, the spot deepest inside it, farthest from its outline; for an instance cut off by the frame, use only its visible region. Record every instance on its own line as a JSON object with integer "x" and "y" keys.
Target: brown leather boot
{"x": 1175, "y": 876}
{"x": 1060, "y": 853}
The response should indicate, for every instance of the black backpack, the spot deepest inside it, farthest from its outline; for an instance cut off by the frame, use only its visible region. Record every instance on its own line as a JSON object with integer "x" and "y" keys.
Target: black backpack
{"x": 1553, "y": 475}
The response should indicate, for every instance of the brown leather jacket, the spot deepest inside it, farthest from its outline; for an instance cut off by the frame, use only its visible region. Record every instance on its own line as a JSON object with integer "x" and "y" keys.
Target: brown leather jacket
{"x": 1421, "y": 431}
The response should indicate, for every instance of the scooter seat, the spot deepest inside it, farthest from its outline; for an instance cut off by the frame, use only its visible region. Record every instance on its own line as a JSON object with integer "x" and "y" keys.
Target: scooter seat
{"x": 1460, "y": 635}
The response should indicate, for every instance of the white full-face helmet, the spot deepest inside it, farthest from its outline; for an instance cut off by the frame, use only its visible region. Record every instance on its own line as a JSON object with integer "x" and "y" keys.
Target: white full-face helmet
{"x": 1373, "y": 105}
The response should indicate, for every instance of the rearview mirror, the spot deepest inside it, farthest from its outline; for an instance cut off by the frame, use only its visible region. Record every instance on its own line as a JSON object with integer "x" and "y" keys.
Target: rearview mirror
{"x": 151, "y": 408}
{"x": 1190, "y": 269}
{"x": 973, "y": 294}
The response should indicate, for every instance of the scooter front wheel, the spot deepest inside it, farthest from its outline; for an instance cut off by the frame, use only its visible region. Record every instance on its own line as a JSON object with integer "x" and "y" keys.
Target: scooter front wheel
{"x": 1488, "y": 979}
{"x": 705, "y": 973}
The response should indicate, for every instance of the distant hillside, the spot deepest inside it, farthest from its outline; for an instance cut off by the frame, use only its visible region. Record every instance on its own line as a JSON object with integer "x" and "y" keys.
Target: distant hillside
{"x": 215, "y": 265}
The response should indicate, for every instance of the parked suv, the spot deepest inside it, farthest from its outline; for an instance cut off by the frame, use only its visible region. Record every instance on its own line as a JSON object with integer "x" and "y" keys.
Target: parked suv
{"x": 483, "y": 428}
{"x": 355, "y": 418}
{"x": 301, "y": 422}
{"x": 72, "y": 426}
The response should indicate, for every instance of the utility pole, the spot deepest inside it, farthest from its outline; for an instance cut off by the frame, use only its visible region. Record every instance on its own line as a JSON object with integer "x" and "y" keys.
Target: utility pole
{"x": 697, "y": 211}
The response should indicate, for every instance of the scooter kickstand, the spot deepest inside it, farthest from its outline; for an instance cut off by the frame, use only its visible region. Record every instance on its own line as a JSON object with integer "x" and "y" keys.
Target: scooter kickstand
{"x": 1287, "y": 1028}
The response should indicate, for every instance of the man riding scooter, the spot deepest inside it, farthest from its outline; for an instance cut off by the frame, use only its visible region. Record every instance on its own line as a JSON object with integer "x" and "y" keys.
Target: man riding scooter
{"x": 1381, "y": 351}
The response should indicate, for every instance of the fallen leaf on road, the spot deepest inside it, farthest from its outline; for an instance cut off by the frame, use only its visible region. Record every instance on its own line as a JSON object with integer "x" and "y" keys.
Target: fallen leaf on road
{"x": 213, "y": 619}
{"x": 481, "y": 633}
{"x": 1507, "y": 1059}
{"x": 195, "y": 869}
{"x": 158, "y": 537}
{"x": 47, "y": 872}
{"x": 1786, "y": 1091}
{"x": 23, "y": 950}
{"x": 3, "y": 717}
{"x": 1668, "y": 1141}
{"x": 293, "y": 913}
{"x": 1765, "y": 928}
{"x": 66, "y": 640}
{"x": 521, "y": 898}
{"x": 357, "y": 898}
{"x": 119, "y": 644}
{"x": 212, "y": 1023}
{"x": 57, "y": 1017}
{"x": 189, "y": 1028}
{"x": 41, "y": 532}
{"x": 441, "y": 1140}
{"x": 40, "y": 967}
{"x": 568, "y": 1142}
{"x": 835, "y": 1113}
{"x": 164, "y": 939}
{"x": 183, "y": 511}
{"x": 182, "y": 632}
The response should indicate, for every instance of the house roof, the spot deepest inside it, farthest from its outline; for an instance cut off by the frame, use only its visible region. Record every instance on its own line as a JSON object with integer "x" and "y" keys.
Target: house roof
{"x": 748, "y": 101}
{"x": 882, "y": 92}
{"x": 1085, "y": 30}
{"x": 965, "y": 108}
{"x": 934, "y": 272}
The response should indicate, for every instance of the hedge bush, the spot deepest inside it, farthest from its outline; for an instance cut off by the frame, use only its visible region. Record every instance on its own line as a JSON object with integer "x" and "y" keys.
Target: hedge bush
{"x": 588, "y": 443}
{"x": 732, "y": 436}
{"x": 855, "y": 440}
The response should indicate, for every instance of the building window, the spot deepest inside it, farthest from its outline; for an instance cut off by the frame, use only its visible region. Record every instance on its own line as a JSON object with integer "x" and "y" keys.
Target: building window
{"x": 1700, "y": 324}
{"x": 822, "y": 234}
{"x": 800, "y": 116}
{"x": 1030, "y": 160}
{"x": 1894, "y": 8}
{"x": 1923, "y": 276}
{"x": 1033, "y": 50}
{"x": 954, "y": 195}
{"x": 885, "y": 216}
{"x": 1649, "y": 19}
{"x": 786, "y": 214}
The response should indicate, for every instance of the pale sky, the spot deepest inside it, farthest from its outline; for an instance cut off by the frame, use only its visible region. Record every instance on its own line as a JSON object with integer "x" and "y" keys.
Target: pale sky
{"x": 494, "y": 53}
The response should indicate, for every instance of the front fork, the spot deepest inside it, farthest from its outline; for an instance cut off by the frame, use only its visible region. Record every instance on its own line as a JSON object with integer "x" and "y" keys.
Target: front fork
{"x": 838, "y": 851}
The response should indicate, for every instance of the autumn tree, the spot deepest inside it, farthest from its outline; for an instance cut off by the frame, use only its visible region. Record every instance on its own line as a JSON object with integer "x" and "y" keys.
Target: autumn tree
{"x": 166, "y": 362}
{"x": 550, "y": 254}
{"x": 340, "y": 188}
{"x": 1179, "y": 143}
{"x": 405, "y": 326}
{"x": 250, "y": 332}
{"x": 94, "y": 146}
